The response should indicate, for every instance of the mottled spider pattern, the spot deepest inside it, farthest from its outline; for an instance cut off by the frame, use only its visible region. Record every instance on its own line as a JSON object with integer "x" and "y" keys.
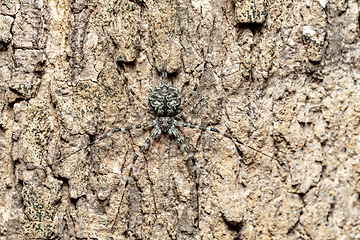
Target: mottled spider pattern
{"x": 166, "y": 105}
{"x": 165, "y": 102}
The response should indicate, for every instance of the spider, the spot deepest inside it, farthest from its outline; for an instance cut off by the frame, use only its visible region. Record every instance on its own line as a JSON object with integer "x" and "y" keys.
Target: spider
{"x": 165, "y": 103}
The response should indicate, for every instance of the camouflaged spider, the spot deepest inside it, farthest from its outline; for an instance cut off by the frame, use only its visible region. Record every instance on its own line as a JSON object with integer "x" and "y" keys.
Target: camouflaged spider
{"x": 165, "y": 102}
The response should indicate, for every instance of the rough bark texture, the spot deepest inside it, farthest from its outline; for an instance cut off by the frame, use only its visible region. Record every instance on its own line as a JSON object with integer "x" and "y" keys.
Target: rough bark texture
{"x": 282, "y": 76}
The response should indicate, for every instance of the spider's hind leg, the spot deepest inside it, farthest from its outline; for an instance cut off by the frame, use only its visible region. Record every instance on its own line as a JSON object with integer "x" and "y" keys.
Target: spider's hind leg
{"x": 122, "y": 129}
{"x": 191, "y": 156}
{"x": 211, "y": 129}
{"x": 154, "y": 134}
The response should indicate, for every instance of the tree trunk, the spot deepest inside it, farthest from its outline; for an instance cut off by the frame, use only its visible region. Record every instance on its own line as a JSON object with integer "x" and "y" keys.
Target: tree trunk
{"x": 280, "y": 76}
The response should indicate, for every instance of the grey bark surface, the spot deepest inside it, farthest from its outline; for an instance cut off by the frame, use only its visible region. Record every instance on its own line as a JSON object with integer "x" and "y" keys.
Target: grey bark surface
{"x": 281, "y": 76}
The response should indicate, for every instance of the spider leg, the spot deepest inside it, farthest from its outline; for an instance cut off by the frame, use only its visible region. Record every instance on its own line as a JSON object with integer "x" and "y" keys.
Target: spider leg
{"x": 211, "y": 129}
{"x": 194, "y": 91}
{"x": 153, "y": 134}
{"x": 163, "y": 76}
{"x": 143, "y": 105}
{"x": 180, "y": 115}
{"x": 122, "y": 129}
{"x": 183, "y": 144}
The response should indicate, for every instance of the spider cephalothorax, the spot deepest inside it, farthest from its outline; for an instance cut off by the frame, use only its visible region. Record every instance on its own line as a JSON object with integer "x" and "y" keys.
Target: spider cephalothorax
{"x": 164, "y": 100}
{"x": 165, "y": 123}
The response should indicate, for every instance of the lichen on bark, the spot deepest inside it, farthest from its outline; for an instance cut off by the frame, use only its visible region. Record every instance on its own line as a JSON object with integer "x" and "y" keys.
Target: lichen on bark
{"x": 282, "y": 79}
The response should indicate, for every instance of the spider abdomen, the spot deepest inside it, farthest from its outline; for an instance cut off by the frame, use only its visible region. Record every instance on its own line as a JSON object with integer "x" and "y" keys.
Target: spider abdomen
{"x": 164, "y": 100}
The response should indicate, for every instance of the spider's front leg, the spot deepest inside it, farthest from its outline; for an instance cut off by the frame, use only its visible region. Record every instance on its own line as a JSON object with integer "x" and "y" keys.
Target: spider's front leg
{"x": 182, "y": 114}
{"x": 195, "y": 89}
{"x": 139, "y": 102}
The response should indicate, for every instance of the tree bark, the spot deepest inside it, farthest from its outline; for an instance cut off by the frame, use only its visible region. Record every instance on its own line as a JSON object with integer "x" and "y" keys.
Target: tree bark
{"x": 280, "y": 76}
